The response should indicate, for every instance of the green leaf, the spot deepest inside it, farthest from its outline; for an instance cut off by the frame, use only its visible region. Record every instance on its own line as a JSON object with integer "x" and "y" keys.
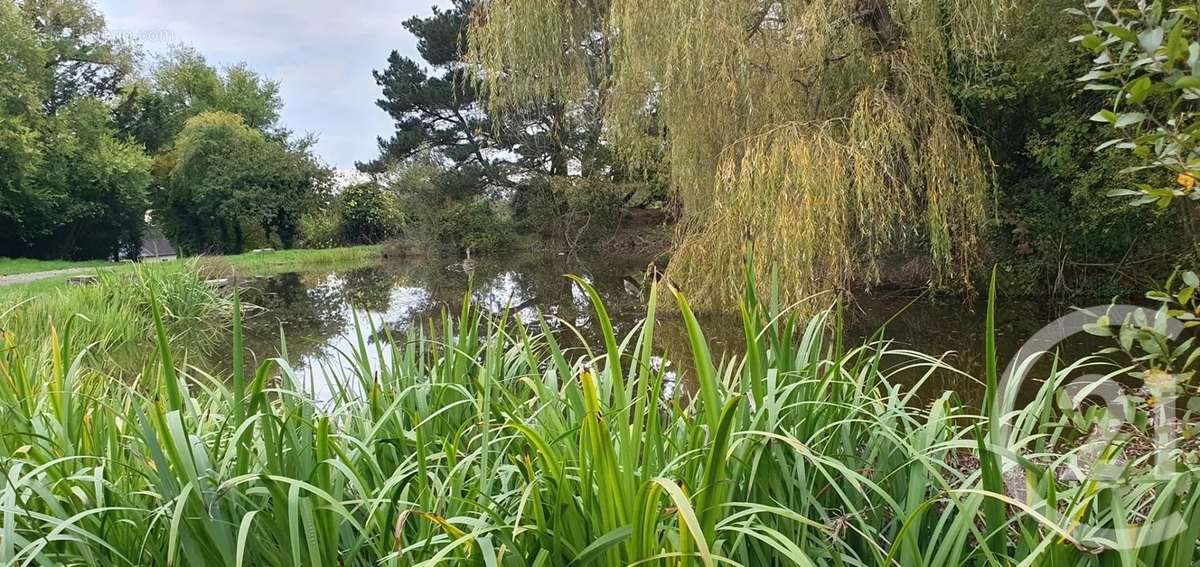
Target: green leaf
{"x": 1187, "y": 82}
{"x": 1121, "y": 33}
{"x": 1100, "y": 328}
{"x": 1191, "y": 279}
{"x": 603, "y": 543}
{"x": 1129, "y": 119}
{"x": 1177, "y": 46}
{"x": 1104, "y": 116}
{"x": 1139, "y": 89}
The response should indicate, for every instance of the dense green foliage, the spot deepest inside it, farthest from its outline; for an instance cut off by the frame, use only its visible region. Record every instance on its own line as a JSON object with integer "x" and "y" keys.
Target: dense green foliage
{"x": 481, "y": 441}
{"x": 903, "y": 129}
{"x": 1147, "y": 57}
{"x": 575, "y": 210}
{"x": 412, "y": 202}
{"x": 183, "y": 85}
{"x": 1146, "y": 61}
{"x": 368, "y": 213}
{"x": 823, "y": 130}
{"x": 70, "y": 187}
{"x": 445, "y": 113}
{"x": 113, "y": 315}
{"x": 1054, "y": 229}
{"x": 226, "y": 177}
{"x": 90, "y": 140}
{"x": 844, "y": 148}
{"x": 436, "y": 112}
{"x": 442, "y": 213}
{"x": 524, "y": 161}
{"x": 87, "y": 145}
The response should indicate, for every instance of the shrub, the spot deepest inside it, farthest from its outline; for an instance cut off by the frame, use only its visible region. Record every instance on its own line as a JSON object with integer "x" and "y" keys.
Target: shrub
{"x": 475, "y": 225}
{"x": 572, "y": 209}
{"x": 320, "y": 229}
{"x": 369, "y": 214}
{"x": 443, "y": 209}
{"x": 1055, "y": 230}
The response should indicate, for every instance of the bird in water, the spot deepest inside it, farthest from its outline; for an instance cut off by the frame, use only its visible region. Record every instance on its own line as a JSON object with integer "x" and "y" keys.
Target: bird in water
{"x": 632, "y": 286}
{"x": 467, "y": 266}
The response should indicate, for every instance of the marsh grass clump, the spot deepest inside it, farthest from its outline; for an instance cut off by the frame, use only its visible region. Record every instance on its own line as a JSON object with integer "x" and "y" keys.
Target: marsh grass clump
{"x": 297, "y": 260}
{"x": 481, "y": 441}
{"x": 112, "y": 317}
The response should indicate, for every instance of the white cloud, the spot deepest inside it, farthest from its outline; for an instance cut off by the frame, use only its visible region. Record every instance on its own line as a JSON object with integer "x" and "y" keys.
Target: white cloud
{"x": 322, "y": 52}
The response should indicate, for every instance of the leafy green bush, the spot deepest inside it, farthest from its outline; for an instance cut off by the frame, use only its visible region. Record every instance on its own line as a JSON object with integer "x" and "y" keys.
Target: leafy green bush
{"x": 369, "y": 214}
{"x": 1055, "y": 230}
{"x": 573, "y": 210}
{"x": 474, "y": 225}
{"x": 229, "y": 179}
{"x": 443, "y": 212}
{"x": 1147, "y": 62}
{"x": 321, "y": 228}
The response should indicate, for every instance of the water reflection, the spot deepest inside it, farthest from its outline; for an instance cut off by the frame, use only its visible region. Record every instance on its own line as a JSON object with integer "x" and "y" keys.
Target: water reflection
{"x": 316, "y": 312}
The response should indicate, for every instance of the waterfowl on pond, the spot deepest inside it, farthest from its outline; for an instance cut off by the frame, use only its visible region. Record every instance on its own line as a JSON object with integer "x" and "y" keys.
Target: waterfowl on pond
{"x": 466, "y": 266}
{"x": 632, "y": 286}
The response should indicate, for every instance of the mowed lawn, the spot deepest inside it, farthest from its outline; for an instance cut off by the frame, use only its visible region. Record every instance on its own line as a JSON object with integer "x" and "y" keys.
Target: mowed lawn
{"x": 14, "y": 266}
{"x": 256, "y": 263}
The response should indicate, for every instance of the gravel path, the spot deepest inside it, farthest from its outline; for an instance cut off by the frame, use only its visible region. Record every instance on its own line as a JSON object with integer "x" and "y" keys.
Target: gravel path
{"x": 35, "y": 276}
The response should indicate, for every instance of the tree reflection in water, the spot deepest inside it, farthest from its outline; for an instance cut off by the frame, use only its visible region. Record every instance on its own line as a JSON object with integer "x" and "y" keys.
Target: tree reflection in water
{"x": 316, "y": 312}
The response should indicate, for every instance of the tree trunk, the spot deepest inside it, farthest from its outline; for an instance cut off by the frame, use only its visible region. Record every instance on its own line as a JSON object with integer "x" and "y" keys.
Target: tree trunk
{"x": 876, "y": 16}
{"x": 285, "y": 227}
{"x": 558, "y": 155}
{"x": 239, "y": 239}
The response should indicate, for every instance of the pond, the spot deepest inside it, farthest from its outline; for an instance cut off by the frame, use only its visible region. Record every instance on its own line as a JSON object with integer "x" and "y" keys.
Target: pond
{"x": 317, "y": 311}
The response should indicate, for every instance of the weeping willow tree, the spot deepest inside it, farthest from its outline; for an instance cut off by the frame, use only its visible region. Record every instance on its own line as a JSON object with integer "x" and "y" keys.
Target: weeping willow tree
{"x": 817, "y": 134}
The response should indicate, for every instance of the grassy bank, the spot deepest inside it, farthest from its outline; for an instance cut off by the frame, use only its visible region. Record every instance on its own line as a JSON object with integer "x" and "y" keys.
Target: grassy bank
{"x": 300, "y": 260}
{"x": 263, "y": 263}
{"x": 113, "y": 316}
{"x": 13, "y": 266}
{"x": 481, "y": 442}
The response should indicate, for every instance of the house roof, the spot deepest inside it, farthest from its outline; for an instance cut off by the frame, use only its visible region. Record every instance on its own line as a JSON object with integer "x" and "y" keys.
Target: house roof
{"x": 155, "y": 244}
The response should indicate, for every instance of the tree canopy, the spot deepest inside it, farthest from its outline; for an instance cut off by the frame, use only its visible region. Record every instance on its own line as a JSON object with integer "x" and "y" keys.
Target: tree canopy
{"x": 818, "y": 135}
{"x": 227, "y": 177}
{"x": 183, "y": 85}
{"x": 69, "y": 185}
{"x": 443, "y": 112}
{"x": 437, "y": 111}
{"x": 89, "y": 141}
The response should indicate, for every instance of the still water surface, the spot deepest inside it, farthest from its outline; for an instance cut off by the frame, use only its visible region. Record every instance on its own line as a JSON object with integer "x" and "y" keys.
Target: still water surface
{"x": 316, "y": 311}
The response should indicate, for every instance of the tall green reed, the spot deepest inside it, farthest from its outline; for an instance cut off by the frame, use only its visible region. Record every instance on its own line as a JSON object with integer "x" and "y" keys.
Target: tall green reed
{"x": 480, "y": 440}
{"x": 114, "y": 316}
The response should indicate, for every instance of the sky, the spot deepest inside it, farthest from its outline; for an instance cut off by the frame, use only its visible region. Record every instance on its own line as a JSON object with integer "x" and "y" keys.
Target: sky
{"x": 322, "y": 53}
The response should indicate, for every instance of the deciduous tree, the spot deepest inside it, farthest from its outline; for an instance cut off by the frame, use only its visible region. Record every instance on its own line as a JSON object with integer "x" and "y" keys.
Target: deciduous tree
{"x": 183, "y": 85}
{"x": 226, "y": 176}
{"x": 820, "y": 135}
{"x": 68, "y": 186}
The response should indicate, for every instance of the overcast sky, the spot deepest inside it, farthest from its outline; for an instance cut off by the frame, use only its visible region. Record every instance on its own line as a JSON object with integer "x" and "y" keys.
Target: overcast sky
{"x": 322, "y": 53}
